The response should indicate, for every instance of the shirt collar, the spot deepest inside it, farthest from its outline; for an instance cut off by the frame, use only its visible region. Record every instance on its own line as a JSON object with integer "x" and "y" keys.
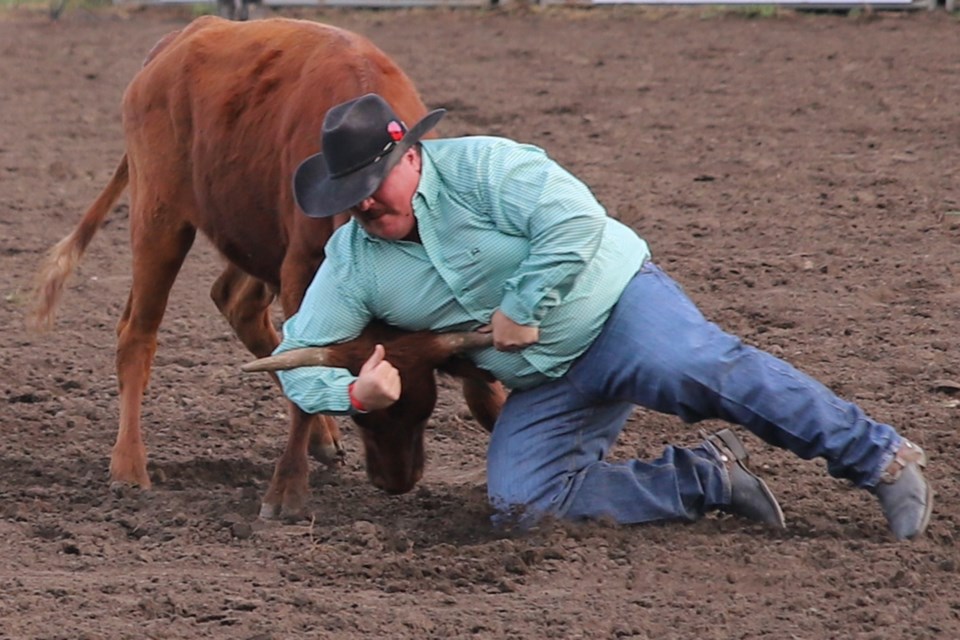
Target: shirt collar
{"x": 429, "y": 187}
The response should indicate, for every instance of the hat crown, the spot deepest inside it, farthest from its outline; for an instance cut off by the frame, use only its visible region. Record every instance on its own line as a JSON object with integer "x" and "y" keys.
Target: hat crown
{"x": 358, "y": 133}
{"x": 362, "y": 140}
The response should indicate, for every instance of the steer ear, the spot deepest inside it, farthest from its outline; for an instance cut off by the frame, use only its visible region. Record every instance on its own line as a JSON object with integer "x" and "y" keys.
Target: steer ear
{"x": 304, "y": 357}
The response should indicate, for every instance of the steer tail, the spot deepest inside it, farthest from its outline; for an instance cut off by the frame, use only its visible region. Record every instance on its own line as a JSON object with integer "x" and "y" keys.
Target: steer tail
{"x": 64, "y": 256}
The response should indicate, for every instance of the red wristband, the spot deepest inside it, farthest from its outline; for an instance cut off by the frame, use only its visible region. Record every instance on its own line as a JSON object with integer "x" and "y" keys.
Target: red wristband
{"x": 356, "y": 404}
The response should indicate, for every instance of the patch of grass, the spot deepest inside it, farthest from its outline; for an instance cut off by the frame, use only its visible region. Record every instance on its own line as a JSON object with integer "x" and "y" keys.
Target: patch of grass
{"x": 53, "y": 7}
{"x": 15, "y": 297}
{"x": 198, "y": 9}
{"x": 56, "y": 7}
{"x": 759, "y": 11}
{"x": 45, "y": 4}
{"x": 748, "y": 11}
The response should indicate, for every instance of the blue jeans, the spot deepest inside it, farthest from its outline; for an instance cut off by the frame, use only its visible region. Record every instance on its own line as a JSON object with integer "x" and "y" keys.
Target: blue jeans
{"x": 656, "y": 350}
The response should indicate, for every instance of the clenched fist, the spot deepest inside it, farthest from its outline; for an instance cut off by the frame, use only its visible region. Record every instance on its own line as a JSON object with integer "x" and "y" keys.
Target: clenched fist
{"x": 378, "y": 385}
{"x": 508, "y": 335}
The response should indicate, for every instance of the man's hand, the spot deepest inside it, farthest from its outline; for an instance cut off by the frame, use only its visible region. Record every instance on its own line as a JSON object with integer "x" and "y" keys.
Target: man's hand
{"x": 378, "y": 385}
{"x": 508, "y": 335}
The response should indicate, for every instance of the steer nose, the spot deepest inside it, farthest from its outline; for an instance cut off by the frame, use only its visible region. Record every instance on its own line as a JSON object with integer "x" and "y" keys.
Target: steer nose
{"x": 396, "y": 485}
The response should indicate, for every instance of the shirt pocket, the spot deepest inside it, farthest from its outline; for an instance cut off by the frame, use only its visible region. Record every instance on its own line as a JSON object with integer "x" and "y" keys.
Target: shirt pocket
{"x": 470, "y": 278}
{"x": 464, "y": 258}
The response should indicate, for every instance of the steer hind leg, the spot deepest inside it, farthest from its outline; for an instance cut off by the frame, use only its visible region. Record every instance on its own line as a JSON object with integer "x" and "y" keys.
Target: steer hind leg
{"x": 484, "y": 395}
{"x": 245, "y": 302}
{"x": 158, "y": 255}
{"x": 485, "y": 400}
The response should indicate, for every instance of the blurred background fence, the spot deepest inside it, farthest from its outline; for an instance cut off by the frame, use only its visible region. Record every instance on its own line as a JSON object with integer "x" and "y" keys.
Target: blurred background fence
{"x": 811, "y": 4}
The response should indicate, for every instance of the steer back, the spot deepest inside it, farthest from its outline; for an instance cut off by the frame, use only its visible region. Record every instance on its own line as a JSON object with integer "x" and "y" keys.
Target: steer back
{"x": 236, "y": 107}
{"x": 393, "y": 438}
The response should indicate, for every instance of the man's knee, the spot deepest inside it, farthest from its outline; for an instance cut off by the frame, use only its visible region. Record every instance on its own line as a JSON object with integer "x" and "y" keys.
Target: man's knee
{"x": 523, "y": 502}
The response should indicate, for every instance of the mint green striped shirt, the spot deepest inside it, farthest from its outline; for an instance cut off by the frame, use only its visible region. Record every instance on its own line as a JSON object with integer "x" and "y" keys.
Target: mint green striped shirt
{"x": 501, "y": 225}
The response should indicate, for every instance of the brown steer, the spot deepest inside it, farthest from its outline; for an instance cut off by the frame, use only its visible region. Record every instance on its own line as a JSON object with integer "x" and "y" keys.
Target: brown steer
{"x": 215, "y": 124}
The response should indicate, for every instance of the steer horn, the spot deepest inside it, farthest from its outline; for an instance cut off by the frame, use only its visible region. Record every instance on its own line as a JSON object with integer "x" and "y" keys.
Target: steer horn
{"x": 446, "y": 345}
{"x": 460, "y": 341}
{"x": 303, "y": 357}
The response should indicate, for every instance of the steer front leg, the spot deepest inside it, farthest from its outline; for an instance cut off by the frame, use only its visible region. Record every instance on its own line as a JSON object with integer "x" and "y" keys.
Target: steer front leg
{"x": 289, "y": 489}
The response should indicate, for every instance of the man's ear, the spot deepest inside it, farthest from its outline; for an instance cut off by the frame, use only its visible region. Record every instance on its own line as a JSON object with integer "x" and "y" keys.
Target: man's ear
{"x": 413, "y": 154}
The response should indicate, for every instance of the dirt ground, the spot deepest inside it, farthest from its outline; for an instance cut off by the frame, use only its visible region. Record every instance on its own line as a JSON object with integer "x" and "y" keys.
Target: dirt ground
{"x": 798, "y": 174}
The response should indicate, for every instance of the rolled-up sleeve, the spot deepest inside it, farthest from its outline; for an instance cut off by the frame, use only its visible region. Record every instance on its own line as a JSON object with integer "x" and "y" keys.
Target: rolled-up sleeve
{"x": 330, "y": 313}
{"x": 531, "y": 195}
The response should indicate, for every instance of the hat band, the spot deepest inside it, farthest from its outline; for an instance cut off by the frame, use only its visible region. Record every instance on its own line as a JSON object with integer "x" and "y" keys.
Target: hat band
{"x": 377, "y": 158}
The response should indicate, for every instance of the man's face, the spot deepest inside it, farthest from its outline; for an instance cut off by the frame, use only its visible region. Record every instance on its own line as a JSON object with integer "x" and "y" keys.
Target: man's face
{"x": 388, "y": 213}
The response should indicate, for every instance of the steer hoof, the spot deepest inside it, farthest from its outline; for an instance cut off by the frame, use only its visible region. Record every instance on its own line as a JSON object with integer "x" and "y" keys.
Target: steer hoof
{"x": 281, "y": 513}
{"x": 129, "y": 470}
{"x": 120, "y": 489}
{"x": 286, "y": 500}
{"x": 331, "y": 454}
{"x": 269, "y": 511}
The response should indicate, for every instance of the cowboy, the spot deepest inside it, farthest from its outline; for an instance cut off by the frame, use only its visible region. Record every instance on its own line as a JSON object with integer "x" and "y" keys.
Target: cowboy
{"x": 488, "y": 234}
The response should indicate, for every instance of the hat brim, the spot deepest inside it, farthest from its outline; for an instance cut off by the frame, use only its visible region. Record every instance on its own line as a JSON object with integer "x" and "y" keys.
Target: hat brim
{"x": 320, "y": 196}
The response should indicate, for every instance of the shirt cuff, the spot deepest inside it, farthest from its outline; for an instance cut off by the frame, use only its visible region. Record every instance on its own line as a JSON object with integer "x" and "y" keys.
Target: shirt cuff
{"x": 514, "y": 308}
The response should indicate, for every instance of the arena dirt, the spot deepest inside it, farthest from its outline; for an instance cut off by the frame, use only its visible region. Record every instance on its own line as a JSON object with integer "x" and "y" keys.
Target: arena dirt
{"x": 798, "y": 174}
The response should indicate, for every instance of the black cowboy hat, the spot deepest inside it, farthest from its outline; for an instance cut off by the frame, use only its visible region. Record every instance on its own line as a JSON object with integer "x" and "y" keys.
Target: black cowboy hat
{"x": 362, "y": 140}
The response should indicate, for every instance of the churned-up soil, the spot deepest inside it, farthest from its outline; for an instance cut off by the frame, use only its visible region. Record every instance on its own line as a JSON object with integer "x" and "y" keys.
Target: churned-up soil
{"x": 798, "y": 174}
